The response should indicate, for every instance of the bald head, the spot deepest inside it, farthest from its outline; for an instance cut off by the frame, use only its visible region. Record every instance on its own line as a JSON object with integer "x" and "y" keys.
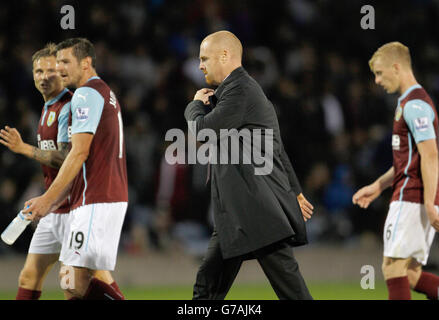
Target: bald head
{"x": 220, "y": 54}
{"x": 225, "y": 41}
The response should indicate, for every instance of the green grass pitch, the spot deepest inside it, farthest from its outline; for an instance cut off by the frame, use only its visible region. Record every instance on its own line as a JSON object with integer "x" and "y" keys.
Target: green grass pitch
{"x": 319, "y": 291}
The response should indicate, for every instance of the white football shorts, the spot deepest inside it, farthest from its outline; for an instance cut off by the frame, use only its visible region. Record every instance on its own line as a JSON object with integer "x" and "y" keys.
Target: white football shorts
{"x": 93, "y": 238}
{"x": 408, "y": 232}
{"x": 49, "y": 234}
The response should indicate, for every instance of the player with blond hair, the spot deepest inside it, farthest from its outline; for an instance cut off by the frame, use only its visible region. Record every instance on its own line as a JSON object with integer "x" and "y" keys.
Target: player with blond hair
{"x": 413, "y": 217}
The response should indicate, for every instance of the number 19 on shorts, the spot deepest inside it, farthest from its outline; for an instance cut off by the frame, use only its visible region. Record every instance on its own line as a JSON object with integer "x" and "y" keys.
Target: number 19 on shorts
{"x": 76, "y": 240}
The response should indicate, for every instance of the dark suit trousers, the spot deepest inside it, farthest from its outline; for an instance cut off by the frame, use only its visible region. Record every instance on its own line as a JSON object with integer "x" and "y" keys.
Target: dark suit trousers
{"x": 216, "y": 275}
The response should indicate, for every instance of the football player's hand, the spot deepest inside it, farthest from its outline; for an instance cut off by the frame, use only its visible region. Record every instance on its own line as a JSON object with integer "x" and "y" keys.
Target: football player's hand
{"x": 11, "y": 138}
{"x": 306, "y": 207}
{"x": 39, "y": 207}
{"x": 204, "y": 95}
{"x": 366, "y": 195}
{"x": 433, "y": 215}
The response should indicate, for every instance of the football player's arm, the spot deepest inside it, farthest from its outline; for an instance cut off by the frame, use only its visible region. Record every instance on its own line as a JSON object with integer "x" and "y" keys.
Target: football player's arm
{"x": 72, "y": 164}
{"x": 369, "y": 193}
{"x": 429, "y": 171}
{"x": 11, "y": 138}
{"x": 57, "y": 191}
{"x": 419, "y": 117}
{"x": 386, "y": 180}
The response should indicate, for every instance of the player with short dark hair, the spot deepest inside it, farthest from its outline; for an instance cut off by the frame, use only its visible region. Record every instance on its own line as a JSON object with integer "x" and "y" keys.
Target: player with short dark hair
{"x": 413, "y": 213}
{"x": 96, "y": 165}
{"x": 81, "y": 48}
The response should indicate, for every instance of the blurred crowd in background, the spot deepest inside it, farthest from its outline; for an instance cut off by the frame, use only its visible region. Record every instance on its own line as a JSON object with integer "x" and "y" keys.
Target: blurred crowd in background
{"x": 310, "y": 57}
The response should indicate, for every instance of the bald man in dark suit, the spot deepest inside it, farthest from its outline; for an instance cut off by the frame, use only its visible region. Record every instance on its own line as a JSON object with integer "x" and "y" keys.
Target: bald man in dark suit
{"x": 257, "y": 214}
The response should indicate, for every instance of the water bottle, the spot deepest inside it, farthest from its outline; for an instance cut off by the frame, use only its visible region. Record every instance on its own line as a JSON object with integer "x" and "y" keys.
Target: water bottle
{"x": 15, "y": 228}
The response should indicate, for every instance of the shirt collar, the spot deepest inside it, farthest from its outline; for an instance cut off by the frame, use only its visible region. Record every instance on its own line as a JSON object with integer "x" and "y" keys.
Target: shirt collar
{"x": 406, "y": 93}
{"x": 53, "y": 100}
{"x": 93, "y": 78}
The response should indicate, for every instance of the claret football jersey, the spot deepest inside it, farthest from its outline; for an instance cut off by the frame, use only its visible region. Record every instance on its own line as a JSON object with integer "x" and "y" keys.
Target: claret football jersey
{"x": 53, "y": 129}
{"x": 103, "y": 176}
{"x": 415, "y": 121}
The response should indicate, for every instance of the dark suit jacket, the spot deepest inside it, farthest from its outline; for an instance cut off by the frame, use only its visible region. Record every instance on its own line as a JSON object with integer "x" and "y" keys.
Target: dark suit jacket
{"x": 250, "y": 211}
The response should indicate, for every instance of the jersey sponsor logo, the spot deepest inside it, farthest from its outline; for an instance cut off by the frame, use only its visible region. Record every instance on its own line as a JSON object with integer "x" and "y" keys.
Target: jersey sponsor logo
{"x": 421, "y": 124}
{"x": 51, "y": 118}
{"x": 82, "y": 114}
{"x": 47, "y": 145}
{"x": 398, "y": 113}
{"x": 396, "y": 142}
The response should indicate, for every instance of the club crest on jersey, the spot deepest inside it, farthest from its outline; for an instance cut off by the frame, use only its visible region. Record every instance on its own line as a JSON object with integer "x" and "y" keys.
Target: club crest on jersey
{"x": 51, "y": 118}
{"x": 398, "y": 113}
{"x": 82, "y": 114}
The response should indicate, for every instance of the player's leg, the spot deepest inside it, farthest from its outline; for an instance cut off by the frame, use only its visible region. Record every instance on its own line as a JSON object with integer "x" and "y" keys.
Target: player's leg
{"x": 67, "y": 294}
{"x": 43, "y": 252}
{"x": 414, "y": 272}
{"x": 102, "y": 275}
{"x": 396, "y": 277}
{"x": 424, "y": 282}
{"x": 428, "y": 284}
{"x": 215, "y": 275}
{"x": 282, "y": 270}
{"x": 106, "y": 277}
{"x": 395, "y": 267}
{"x": 85, "y": 286}
{"x": 32, "y": 275}
{"x": 72, "y": 290}
{"x": 67, "y": 281}
{"x": 76, "y": 280}
{"x": 402, "y": 274}
{"x": 92, "y": 245}
{"x": 404, "y": 239}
